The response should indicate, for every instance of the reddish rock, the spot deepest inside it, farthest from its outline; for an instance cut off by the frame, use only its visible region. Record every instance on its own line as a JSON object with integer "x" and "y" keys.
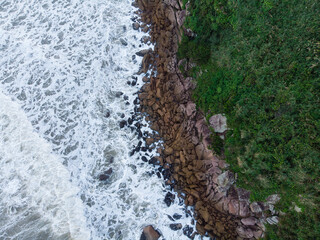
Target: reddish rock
{"x": 244, "y": 233}
{"x": 150, "y": 233}
{"x": 234, "y": 207}
{"x": 244, "y": 209}
{"x": 250, "y": 221}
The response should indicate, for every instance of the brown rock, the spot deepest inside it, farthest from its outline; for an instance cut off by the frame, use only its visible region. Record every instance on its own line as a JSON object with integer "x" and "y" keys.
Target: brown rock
{"x": 234, "y": 207}
{"x": 205, "y": 214}
{"x": 168, "y": 150}
{"x": 199, "y": 151}
{"x": 191, "y": 109}
{"x": 220, "y": 227}
{"x": 150, "y": 233}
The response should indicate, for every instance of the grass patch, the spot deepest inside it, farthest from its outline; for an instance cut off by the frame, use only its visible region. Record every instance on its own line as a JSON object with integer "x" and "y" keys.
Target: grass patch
{"x": 258, "y": 62}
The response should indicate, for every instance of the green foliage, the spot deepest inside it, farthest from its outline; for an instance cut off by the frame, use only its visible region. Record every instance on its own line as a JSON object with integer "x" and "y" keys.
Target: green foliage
{"x": 263, "y": 72}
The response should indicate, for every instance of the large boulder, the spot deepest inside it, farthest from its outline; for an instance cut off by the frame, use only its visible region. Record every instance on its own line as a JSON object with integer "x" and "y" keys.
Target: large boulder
{"x": 149, "y": 233}
{"x": 219, "y": 123}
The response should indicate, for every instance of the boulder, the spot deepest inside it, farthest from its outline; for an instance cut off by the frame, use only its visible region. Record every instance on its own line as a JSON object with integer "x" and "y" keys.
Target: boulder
{"x": 149, "y": 233}
{"x": 273, "y": 199}
{"x": 255, "y": 207}
{"x": 226, "y": 179}
{"x": 244, "y": 233}
{"x": 250, "y": 221}
{"x": 219, "y": 123}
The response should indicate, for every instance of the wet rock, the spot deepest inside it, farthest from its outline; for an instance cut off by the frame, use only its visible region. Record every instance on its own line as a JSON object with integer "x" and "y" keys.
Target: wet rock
{"x": 169, "y": 198}
{"x": 105, "y": 175}
{"x": 135, "y": 26}
{"x": 123, "y": 42}
{"x": 149, "y": 233}
{"x": 142, "y": 53}
{"x": 107, "y": 114}
{"x": 123, "y": 123}
{"x": 130, "y": 121}
{"x": 133, "y": 83}
{"x": 187, "y": 231}
{"x": 118, "y": 94}
{"x": 154, "y": 161}
{"x": 177, "y": 216}
{"x": 175, "y": 226}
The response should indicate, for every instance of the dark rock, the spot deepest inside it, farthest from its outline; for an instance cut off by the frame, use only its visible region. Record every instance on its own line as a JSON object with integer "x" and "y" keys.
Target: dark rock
{"x": 123, "y": 123}
{"x": 119, "y": 94}
{"x": 123, "y": 42}
{"x": 177, "y": 216}
{"x": 127, "y": 103}
{"x": 122, "y": 115}
{"x": 105, "y": 175}
{"x": 143, "y": 158}
{"x": 136, "y": 26}
{"x": 187, "y": 230}
{"x": 130, "y": 121}
{"x": 131, "y": 153}
{"x": 166, "y": 174}
{"x": 136, "y": 101}
{"x": 169, "y": 198}
{"x": 154, "y": 161}
{"x": 107, "y": 115}
{"x": 125, "y": 97}
{"x": 134, "y": 82}
{"x": 143, "y": 52}
{"x": 175, "y": 226}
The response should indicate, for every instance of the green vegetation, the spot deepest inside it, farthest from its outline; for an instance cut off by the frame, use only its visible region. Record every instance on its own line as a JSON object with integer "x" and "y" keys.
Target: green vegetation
{"x": 258, "y": 62}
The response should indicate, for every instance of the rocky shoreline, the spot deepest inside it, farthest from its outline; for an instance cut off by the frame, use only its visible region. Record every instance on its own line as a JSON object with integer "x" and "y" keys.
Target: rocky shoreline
{"x": 222, "y": 210}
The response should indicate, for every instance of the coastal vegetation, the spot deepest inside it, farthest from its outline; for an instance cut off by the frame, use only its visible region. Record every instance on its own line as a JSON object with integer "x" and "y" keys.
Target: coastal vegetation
{"x": 258, "y": 63}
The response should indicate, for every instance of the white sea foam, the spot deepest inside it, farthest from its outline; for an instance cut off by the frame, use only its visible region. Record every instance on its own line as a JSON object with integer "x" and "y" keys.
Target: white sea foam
{"x": 63, "y": 61}
{"x": 36, "y": 197}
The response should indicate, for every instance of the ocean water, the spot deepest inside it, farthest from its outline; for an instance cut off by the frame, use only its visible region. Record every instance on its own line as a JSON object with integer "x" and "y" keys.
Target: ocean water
{"x": 63, "y": 64}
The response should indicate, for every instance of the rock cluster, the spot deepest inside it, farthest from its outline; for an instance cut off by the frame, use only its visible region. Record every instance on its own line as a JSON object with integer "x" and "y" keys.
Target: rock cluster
{"x": 222, "y": 211}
